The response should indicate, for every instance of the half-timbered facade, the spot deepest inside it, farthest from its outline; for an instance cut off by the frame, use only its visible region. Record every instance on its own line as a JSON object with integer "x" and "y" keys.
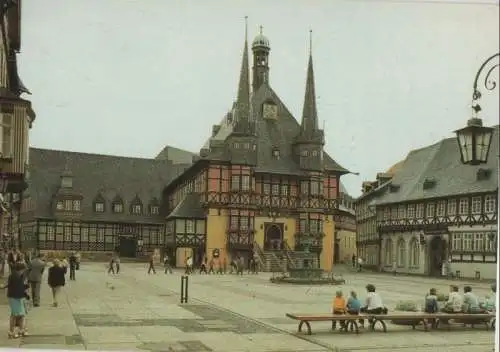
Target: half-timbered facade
{"x": 95, "y": 203}
{"x": 436, "y": 210}
{"x": 345, "y": 228}
{"x": 367, "y": 237}
{"x": 263, "y": 181}
{"x": 16, "y": 118}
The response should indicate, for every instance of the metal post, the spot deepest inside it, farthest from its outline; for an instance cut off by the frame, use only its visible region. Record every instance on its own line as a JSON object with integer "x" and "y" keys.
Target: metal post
{"x": 184, "y": 288}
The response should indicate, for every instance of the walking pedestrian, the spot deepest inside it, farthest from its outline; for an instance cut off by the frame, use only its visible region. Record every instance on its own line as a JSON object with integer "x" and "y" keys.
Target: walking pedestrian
{"x": 16, "y": 294}
{"x": 189, "y": 265}
{"x": 35, "y": 275}
{"x": 56, "y": 280}
{"x": 72, "y": 266}
{"x": 117, "y": 263}
{"x": 111, "y": 267}
{"x": 151, "y": 264}
{"x": 166, "y": 264}
{"x": 203, "y": 267}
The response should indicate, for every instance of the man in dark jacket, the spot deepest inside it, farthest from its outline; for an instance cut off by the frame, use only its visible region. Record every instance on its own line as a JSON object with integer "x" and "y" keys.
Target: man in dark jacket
{"x": 73, "y": 262}
{"x": 35, "y": 274}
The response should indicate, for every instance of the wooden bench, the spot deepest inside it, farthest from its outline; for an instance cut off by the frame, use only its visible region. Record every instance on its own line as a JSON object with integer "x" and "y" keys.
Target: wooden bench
{"x": 412, "y": 319}
{"x": 488, "y": 319}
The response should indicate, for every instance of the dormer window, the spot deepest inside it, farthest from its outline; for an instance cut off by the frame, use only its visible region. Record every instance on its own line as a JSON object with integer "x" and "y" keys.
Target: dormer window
{"x": 394, "y": 188}
{"x": 483, "y": 174}
{"x": 117, "y": 207}
{"x": 304, "y": 153}
{"x": 60, "y": 205}
{"x": 315, "y": 153}
{"x": 99, "y": 207}
{"x": 76, "y": 205}
{"x": 276, "y": 154}
{"x": 136, "y": 209}
{"x": 154, "y": 207}
{"x": 136, "y": 206}
{"x": 429, "y": 183}
{"x": 99, "y": 204}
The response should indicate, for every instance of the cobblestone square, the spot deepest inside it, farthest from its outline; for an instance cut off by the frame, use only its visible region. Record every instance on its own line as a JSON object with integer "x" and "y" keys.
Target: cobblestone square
{"x": 135, "y": 311}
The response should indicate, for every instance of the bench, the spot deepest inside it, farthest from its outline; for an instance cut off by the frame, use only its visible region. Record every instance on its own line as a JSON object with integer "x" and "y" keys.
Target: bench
{"x": 488, "y": 319}
{"x": 412, "y": 319}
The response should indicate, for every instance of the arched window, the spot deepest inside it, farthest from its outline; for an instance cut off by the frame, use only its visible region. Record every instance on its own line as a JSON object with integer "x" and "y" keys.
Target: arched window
{"x": 388, "y": 252}
{"x": 401, "y": 252}
{"x": 414, "y": 253}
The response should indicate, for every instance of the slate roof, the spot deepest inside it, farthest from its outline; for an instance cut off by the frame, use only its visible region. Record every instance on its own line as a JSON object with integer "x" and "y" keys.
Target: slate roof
{"x": 188, "y": 207}
{"x": 94, "y": 175}
{"x": 441, "y": 162}
{"x": 272, "y": 134}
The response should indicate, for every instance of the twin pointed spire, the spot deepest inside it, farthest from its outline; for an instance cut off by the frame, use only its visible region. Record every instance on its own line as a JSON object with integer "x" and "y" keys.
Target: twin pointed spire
{"x": 309, "y": 123}
{"x": 242, "y": 110}
{"x": 242, "y": 114}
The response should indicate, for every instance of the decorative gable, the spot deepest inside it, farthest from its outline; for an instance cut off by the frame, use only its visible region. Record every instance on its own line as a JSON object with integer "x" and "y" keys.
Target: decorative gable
{"x": 67, "y": 201}
{"x": 136, "y": 206}
{"x": 117, "y": 205}
{"x": 99, "y": 204}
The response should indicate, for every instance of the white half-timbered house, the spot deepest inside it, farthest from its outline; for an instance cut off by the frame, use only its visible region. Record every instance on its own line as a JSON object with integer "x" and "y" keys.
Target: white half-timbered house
{"x": 436, "y": 210}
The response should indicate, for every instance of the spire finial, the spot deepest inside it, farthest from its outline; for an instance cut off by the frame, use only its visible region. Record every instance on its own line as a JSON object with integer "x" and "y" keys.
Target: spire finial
{"x": 260, "y": 30}
{"x": 246, "y": 28}
{"x": 310, "y": 41}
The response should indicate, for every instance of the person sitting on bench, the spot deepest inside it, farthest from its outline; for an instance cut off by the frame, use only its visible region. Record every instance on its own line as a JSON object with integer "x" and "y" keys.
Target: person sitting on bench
{"x": 455, "y": 301}
{"x": 373, "y": 303}
{"x": 338, "y": 308}
{"x": 471, "y": 302}
{"x": 489, "y": 304}
{"x": 431, "y": 303}
{"x": 353, "y": 304}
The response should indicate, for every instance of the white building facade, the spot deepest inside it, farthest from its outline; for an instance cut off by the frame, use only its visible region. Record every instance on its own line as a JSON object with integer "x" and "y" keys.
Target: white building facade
{"x": 437, "y": 216}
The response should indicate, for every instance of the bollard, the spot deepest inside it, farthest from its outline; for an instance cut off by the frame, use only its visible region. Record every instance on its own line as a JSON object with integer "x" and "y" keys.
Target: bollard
{"x": 184, "y": 288}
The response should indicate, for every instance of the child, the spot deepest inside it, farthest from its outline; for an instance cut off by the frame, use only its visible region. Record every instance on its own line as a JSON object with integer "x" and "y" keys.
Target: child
{"x": 338, "y": 308}
{"x": 431, "y": 304}
{"x": 353, "y": 304}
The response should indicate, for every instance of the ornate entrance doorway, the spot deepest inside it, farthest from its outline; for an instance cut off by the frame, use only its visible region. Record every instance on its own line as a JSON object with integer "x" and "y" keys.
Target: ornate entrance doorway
{"x": 437, "y": 253}
{"x": 273, "y": 236}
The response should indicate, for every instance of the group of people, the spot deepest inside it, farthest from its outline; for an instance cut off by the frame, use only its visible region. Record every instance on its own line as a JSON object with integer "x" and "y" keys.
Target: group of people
{"x": 23, "y": 285}
{"x": 372, "y": 305}
{"x": 458, "y": 303}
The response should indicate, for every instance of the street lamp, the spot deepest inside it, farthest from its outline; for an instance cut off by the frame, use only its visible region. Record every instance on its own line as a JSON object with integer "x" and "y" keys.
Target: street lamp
{"x": 474, "y": 140}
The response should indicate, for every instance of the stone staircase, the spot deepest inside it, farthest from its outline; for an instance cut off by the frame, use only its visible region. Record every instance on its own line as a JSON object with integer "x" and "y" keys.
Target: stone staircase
{"x": 274, "y": 262}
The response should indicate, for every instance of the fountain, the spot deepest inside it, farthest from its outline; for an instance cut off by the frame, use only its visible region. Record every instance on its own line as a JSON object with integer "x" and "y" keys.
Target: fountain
{"x": 307, "y": 274}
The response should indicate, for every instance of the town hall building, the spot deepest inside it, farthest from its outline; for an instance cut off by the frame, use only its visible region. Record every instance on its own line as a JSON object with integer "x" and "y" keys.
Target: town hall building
{"x": 263, "y": 181}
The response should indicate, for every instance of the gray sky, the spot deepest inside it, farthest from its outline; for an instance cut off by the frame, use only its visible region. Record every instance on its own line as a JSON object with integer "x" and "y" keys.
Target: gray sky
{"x": 127, "y": 77}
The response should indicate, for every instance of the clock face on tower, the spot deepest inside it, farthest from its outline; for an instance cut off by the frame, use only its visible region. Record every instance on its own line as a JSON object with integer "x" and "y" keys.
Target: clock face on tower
{"x": 270, "y": 111}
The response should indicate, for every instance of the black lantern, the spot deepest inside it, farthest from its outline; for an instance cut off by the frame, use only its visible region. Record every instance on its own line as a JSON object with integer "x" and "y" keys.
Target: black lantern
{"x": 474, "y": 142}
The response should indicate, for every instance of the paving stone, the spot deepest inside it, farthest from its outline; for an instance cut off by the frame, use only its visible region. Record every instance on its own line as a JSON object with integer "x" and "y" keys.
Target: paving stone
{"x": 224, "y": 314}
